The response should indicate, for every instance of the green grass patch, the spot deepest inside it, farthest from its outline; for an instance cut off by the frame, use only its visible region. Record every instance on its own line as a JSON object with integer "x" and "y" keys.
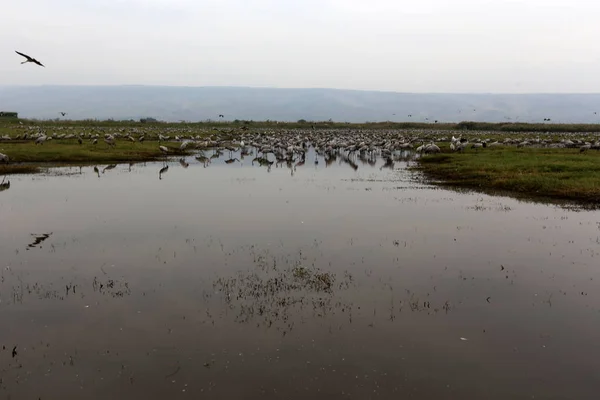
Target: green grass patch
{"x": 555, "y": 173}
{"x": 7, "y": 169}
{"x": 71, "y": 152}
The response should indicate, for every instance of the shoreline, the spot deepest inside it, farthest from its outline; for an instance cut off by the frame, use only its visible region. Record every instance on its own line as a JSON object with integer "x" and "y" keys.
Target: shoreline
{"x": 534, "y": 173}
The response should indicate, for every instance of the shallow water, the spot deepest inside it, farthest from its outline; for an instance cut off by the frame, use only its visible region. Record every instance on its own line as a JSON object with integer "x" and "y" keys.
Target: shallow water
{"x": 238, "y": 281}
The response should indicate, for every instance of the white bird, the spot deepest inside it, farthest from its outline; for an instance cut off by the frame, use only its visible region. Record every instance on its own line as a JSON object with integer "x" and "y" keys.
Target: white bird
{"x": 41, "y": 139}
{"x": 585, "y": 147}
{"x": 110, "y": 140}
{"x": 163, "y": 149}
{"x": 461, "y": 146}
{"x": 4, "y": 158}
{"x": 432, "y": 148}
{"x": 477, "y": 146}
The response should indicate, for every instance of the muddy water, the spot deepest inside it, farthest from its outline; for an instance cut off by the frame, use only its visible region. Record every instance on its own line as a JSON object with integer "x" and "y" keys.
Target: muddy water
{"x": 235, "y": 281}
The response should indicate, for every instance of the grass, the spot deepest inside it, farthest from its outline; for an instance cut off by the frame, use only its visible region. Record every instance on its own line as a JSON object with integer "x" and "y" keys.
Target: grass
{"x": 7, "y": 169}
{"x": 26, "y": 157}
{"x": 537, "y": 172}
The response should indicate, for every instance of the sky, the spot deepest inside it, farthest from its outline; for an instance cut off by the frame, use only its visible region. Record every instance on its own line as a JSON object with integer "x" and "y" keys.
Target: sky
{"x": 459, "y": 46}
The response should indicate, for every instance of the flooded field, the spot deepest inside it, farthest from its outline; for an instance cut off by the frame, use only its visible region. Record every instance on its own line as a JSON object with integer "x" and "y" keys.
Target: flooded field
{"x": 327, "y": 280}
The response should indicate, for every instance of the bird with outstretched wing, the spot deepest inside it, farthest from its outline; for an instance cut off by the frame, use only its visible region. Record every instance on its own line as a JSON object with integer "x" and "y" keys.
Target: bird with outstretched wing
{"x": 30, "y": 59}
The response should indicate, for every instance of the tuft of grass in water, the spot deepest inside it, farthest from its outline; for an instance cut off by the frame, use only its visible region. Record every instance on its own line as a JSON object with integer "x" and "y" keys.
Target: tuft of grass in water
{"x": 556, "y": 173}
{"x": 71, "y": 152}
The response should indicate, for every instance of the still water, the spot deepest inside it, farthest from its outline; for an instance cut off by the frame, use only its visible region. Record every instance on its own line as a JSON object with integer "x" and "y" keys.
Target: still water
{"x": 241, "y": 282}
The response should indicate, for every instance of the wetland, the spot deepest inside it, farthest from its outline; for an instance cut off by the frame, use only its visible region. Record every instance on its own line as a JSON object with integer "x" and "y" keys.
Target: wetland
{"x": 227, "y": 273}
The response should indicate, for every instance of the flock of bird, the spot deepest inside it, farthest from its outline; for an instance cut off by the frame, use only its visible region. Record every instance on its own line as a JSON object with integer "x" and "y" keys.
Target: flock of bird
{"x": 290, "y": 145}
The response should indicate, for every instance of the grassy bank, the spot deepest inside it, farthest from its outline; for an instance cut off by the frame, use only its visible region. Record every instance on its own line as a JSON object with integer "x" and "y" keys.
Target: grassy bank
{"x": 26, "y": 157}
{"x": 7, "y": 169}
{"x": 553, "y": 173}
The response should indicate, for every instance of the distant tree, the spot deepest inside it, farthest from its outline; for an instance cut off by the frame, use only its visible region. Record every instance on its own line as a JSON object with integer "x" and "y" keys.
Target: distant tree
{"x": 301, "y": 121}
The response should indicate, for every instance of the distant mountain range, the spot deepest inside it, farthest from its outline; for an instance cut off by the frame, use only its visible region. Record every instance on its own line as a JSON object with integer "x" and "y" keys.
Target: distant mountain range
{"x": 169, "y": 103}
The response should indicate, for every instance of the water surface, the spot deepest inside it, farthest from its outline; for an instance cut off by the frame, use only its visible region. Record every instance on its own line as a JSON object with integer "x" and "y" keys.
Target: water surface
{"x": 238, "y": 281}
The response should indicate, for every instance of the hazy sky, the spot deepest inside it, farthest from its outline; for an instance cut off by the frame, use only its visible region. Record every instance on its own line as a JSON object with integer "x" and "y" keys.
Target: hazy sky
{"x": 395, "y": 45}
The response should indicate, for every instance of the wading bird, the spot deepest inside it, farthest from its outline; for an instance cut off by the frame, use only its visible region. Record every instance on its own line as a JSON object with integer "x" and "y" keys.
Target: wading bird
{"x": 30, "y": 59}
{"x": 162, "y": 171}
{"x": 4, "y": 185}
{"x": 110, "y": 141}
{"x": 109, "y": 167}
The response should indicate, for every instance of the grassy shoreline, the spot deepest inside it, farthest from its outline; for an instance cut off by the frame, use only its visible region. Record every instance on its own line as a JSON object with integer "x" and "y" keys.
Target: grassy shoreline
{"x": 28, "y": 158}
{"x": 560, "y": 174}
{"x": 528, "y": 171}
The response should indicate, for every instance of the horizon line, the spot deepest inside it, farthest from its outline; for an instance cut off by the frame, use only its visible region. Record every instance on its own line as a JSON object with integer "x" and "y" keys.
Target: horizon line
{"x": 295, "y": 88}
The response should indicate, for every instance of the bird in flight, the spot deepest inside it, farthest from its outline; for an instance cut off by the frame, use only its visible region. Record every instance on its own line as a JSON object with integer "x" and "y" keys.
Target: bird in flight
{"x": 30, "y": 59}
{"x": 63, "y": 113}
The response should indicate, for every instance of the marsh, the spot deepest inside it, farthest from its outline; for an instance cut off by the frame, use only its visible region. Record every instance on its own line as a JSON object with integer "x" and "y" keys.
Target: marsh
{"x": 319, "y": 280}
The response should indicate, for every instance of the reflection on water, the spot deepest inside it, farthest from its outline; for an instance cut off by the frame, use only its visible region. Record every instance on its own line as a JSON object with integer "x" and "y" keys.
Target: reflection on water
{"x": 315, "y": 278}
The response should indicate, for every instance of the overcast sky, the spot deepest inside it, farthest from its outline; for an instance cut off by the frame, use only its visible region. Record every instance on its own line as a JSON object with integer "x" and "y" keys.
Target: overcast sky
{"x": 393, "y": 45}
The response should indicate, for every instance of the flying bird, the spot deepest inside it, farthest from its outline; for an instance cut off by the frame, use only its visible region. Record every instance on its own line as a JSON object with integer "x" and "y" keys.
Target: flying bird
{"x": 30, "y": 59}
{"x": 63, "y": 113}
